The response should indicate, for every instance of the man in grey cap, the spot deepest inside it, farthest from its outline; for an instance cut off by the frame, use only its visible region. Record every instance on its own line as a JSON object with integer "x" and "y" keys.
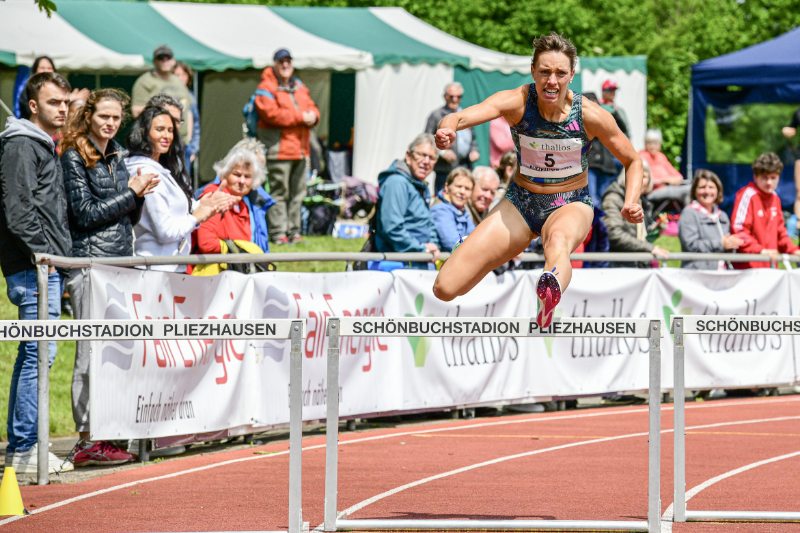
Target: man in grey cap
{"x": 162, "y": 80}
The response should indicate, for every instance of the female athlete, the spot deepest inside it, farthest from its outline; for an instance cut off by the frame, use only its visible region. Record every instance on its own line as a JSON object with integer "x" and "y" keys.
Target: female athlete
{"x": 553, "y": 128}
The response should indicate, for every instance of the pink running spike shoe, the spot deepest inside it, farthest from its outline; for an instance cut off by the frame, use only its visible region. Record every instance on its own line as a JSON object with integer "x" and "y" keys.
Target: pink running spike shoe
{"x": 548, "y": 290}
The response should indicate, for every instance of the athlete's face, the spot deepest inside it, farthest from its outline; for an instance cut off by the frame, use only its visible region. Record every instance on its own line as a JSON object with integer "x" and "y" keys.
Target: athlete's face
{"x": 552, "y": 74}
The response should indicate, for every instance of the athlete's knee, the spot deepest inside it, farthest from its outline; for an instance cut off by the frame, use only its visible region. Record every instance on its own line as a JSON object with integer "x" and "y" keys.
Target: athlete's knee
{"x": 556, "y": 242}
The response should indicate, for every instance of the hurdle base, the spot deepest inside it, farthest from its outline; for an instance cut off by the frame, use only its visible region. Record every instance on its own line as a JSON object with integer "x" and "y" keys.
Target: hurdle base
{"x": 526, "y": 525}
{"x": 753, "y": 516}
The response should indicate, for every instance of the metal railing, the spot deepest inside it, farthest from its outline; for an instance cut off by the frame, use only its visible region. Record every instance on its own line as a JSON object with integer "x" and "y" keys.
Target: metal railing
{"x": 149, "y": 261}
{"x": 43, "y": 261}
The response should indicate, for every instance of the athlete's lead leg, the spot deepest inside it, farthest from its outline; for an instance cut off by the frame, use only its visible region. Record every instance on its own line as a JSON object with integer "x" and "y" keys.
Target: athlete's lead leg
{"x": 562, "y": 233}
{"x": 496, "y": 240}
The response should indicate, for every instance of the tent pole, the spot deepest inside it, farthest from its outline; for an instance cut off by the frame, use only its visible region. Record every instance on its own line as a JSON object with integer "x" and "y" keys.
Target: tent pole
{"x": 196, "y": 165}
{"x": 689, "y": 151}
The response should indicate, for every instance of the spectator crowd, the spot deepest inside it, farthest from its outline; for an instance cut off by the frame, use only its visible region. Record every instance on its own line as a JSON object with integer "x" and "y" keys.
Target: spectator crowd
{"x": 68, "y": 187}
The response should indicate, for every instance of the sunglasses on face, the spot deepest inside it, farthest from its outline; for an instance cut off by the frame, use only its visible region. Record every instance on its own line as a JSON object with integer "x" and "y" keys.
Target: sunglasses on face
{"x": 163, "y": 58}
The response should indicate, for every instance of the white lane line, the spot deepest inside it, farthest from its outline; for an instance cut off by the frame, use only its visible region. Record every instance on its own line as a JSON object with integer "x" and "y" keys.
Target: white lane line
{"x": 666, "y": 521}
{"x": 380, "y": 437}
{"x": 365, "y": 503}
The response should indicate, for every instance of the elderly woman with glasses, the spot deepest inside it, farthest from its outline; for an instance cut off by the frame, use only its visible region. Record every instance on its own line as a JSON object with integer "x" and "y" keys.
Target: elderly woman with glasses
{"x": 404, "y": 222}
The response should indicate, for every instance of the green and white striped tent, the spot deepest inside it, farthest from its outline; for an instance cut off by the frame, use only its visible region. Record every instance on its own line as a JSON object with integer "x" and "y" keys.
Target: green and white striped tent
{"x": 380, "y": 71}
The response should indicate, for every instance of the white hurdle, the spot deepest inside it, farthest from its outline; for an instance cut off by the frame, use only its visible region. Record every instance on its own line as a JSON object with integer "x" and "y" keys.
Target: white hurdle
{"x": 492, "y": 327}
{"x": 729, "y": 325}
{"x": 44, "y": 331}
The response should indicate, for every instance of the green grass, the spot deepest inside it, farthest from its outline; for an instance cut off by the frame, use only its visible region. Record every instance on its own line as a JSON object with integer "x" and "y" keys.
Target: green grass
{"x": 670, "y": 244}
{"x": 318, "y": 244}
{"x": 61, "y": 422}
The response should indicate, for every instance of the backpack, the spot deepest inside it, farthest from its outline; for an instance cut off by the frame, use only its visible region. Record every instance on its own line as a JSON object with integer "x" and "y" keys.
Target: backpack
{"x": 251, "y": 113}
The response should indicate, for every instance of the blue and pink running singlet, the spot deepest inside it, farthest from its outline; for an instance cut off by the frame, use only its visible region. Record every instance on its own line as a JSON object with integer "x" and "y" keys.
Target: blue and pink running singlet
{"x": 549, "y": 153}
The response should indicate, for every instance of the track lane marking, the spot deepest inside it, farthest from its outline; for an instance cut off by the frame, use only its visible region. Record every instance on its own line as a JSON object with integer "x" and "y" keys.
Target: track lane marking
{"x": 391, "y": 492}
{"x": 114, "y": 488}
{"x": 666, "y": 522}
{"x": 536, "y": 437}
{"x": 743, "y": 433}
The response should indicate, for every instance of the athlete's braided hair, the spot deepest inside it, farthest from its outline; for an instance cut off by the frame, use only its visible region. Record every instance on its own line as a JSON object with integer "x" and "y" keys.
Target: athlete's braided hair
{"x": 554, "y": 43}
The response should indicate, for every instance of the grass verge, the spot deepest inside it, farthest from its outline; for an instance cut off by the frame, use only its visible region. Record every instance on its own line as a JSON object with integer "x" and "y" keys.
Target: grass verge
{"x": 61, "y": 422}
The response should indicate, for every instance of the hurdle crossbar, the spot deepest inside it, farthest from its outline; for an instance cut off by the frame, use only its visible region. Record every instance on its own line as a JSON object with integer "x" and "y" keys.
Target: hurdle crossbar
{"x": 713, "y": 324}
{"x": 492, "y": 327}
{"x": 43, "y": 331}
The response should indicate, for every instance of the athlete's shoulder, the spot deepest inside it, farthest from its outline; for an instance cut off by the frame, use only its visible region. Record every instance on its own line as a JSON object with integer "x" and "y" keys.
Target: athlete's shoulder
{"x": 592, "y": 111}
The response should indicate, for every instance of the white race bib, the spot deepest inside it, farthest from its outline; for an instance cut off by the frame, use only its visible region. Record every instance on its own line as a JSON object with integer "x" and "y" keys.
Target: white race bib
{"x": 550, "y": 158}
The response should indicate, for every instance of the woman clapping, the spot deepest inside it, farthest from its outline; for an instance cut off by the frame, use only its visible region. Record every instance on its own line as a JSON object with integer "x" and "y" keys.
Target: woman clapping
{"x": 170, "y": 214}
{"x": 104, "y": 203}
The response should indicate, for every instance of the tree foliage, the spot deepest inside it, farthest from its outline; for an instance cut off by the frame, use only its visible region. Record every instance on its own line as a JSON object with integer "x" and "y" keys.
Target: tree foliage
{"x": 673, "y": 34}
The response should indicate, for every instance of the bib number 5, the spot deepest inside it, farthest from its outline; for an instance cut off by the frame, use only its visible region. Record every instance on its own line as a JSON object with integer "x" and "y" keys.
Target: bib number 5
{"x": 548, "y": 160}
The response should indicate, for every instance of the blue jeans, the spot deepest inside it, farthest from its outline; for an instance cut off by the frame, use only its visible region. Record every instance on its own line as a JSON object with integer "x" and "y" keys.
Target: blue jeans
{"x": 23, "y": 400}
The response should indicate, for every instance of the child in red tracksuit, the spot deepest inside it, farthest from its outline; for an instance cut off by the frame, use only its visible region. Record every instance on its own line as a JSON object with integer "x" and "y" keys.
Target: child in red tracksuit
{"x": 758, "y": 217}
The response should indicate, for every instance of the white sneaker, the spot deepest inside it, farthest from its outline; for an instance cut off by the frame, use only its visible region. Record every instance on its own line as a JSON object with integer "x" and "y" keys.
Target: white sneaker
{"x": 27, "y": 462}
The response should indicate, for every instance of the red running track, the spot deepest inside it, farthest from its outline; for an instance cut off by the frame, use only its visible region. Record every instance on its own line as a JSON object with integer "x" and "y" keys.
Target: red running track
{"x": 590, "y": 464}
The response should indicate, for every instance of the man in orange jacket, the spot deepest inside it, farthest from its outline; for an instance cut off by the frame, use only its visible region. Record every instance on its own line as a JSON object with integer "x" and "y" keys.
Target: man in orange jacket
{"x": 758, "y": 217}
{"x": 286, "y": 115}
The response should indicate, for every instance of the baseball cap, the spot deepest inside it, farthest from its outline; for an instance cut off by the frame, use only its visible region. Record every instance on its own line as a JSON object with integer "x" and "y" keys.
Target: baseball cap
{"x": 281, "y": 54}
{"x": 163, "y": 50}
{"x": 609, "y": 85}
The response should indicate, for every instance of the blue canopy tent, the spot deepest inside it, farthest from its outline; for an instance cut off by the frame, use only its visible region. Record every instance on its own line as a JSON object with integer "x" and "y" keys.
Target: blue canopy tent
{"x": 767, "y": 72}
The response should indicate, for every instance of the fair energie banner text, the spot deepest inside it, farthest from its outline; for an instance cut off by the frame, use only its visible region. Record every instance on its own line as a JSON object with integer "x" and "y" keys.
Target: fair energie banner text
{"x": 162, "y": 388}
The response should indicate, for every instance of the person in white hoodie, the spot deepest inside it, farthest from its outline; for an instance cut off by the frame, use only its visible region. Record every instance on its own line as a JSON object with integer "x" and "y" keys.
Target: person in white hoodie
{"x": 170, "y": 215}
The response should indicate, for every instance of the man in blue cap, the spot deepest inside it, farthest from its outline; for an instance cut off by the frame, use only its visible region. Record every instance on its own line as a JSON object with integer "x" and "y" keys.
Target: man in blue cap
{"x": 286, "y": 114}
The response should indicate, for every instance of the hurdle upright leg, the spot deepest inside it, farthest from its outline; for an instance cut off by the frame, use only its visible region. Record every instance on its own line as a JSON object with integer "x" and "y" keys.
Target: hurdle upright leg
{"x": 332, "y": 427}
{"x": 296, "y": 429}
{"x": 679, "y": 417}
{"x": 43, "y": 366}
{"x": 654, "y": 440}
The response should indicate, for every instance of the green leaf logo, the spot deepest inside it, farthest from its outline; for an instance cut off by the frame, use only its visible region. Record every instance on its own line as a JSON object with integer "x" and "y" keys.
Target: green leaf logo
{"x": 669, "y": 312}
{"x": 676, "y": 298}
{"x": 419, "y": 345}
{"x": 534, "y": 145}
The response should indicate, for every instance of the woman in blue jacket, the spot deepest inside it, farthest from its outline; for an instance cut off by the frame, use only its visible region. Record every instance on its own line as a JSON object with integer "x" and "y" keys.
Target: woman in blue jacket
{"x": 449, "y": 212}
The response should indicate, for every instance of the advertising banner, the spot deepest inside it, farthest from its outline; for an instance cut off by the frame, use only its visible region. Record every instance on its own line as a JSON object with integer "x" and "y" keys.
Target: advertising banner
{"x": 152, "y": 388}
{"x": 720, "y": 359}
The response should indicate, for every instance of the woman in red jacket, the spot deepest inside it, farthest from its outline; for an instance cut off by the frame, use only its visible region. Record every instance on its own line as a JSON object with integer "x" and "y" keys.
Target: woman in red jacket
{"x": 240, "y": 172}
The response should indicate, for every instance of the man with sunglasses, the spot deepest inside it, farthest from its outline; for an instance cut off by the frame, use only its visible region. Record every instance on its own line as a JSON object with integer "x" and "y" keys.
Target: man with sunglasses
{"x": 162, "y": 80}
{"x": 464, "y": 151}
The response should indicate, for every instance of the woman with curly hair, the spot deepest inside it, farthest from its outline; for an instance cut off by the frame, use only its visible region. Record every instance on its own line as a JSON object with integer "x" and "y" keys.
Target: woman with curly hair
{"x": 103, "y": 202}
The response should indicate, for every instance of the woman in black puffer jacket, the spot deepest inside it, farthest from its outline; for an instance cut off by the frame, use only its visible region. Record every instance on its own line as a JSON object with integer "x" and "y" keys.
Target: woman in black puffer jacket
{"x": 104, "y": 202}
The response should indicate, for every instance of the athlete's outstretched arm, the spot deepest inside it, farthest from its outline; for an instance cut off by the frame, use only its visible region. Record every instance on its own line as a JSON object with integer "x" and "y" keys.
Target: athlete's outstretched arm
{"x": 599, "y": 123}
{"x": 507, "y": 104}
